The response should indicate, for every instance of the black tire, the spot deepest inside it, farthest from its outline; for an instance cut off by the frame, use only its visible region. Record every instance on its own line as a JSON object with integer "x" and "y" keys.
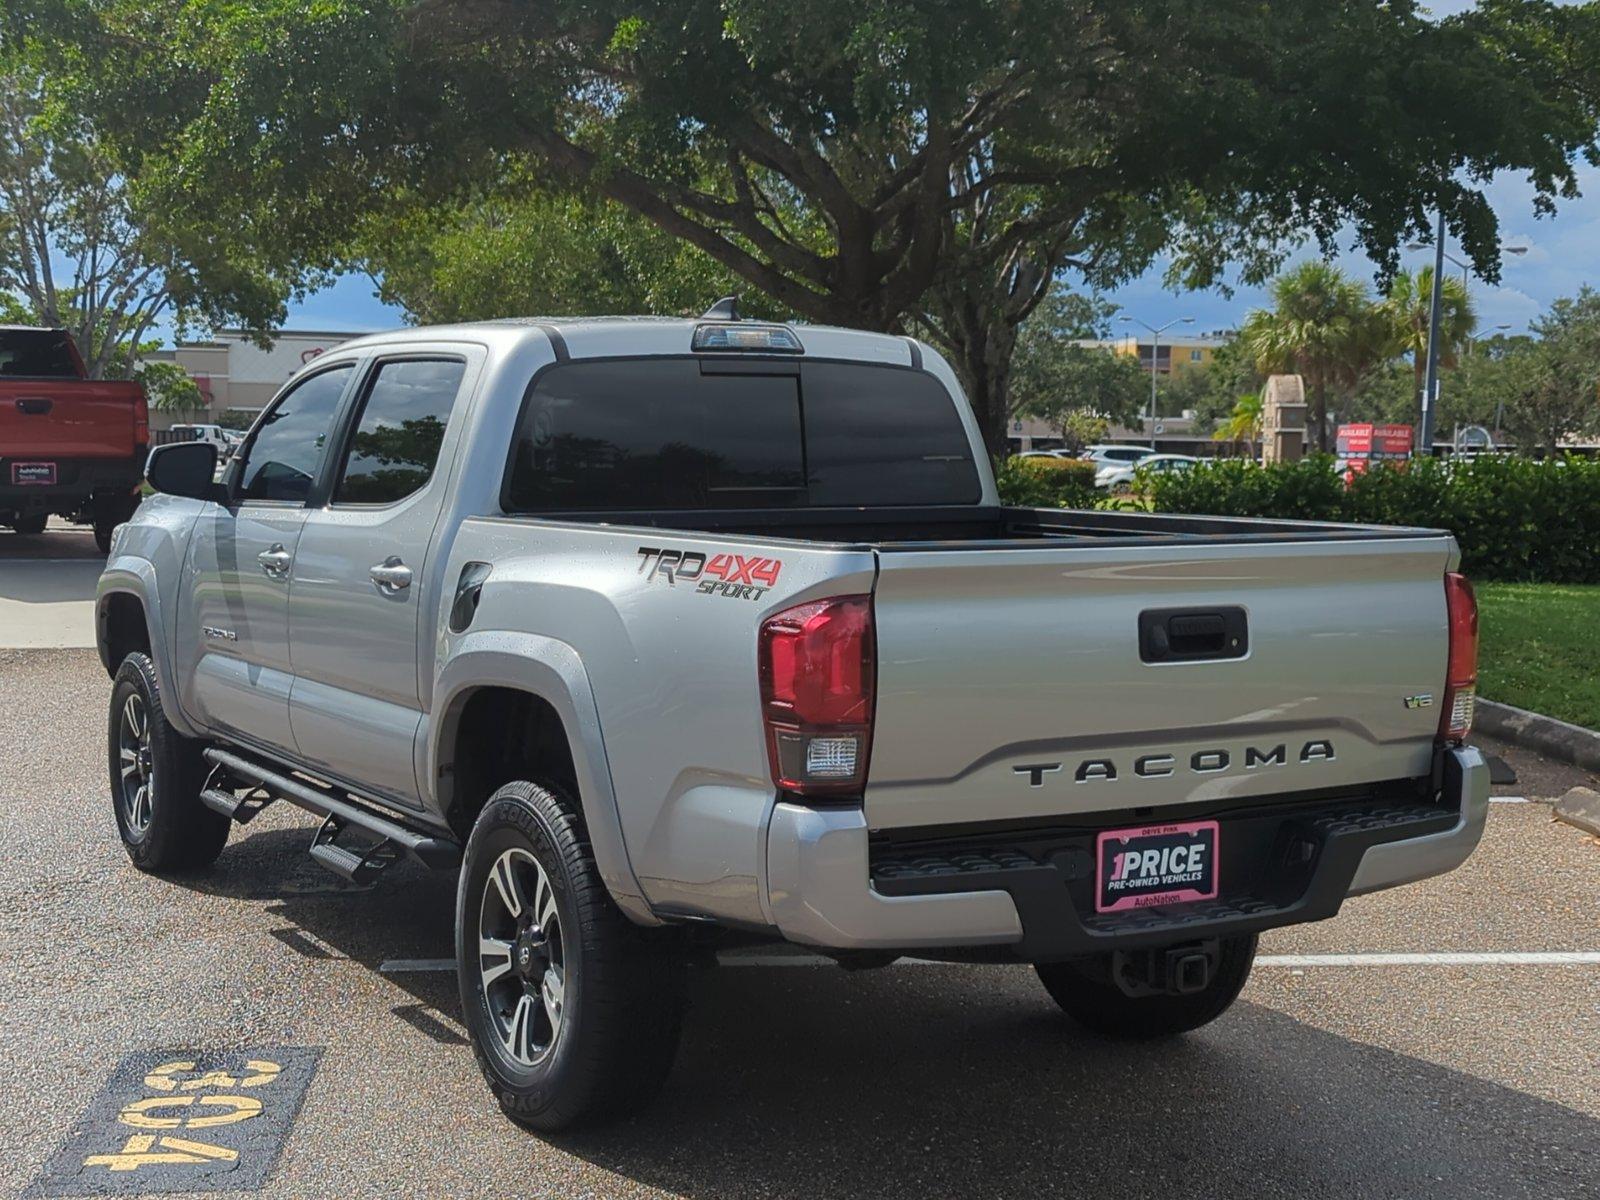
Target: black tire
{"x": 109, "y": 512}
{"x": 31, "y": 526}
{"x": 168, "y": 830}
{"x": 1087, "y": 994}
{"x": 606, "y": 1047}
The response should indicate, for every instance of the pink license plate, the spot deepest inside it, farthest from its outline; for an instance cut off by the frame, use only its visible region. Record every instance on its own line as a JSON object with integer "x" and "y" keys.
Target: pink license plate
{"x": 1156, "y": 864}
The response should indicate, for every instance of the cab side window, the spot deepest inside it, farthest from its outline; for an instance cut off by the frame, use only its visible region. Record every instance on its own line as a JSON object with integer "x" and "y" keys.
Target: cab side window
{"x": 282, "y": 460}
{"x": 396, "y": 443}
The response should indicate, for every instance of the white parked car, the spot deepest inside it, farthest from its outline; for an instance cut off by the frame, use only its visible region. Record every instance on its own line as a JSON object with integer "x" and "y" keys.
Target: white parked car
{"x": 1118, "y": 477}
{"x": 1109, "y": 454}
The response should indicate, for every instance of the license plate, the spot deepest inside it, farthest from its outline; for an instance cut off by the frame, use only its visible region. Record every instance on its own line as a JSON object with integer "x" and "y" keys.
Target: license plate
{"x": 1156, "y": 864}
{"x": 33, "y": 472}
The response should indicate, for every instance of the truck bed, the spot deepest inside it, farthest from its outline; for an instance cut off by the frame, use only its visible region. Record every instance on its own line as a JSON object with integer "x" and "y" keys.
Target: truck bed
{"x": 995, "y": 525}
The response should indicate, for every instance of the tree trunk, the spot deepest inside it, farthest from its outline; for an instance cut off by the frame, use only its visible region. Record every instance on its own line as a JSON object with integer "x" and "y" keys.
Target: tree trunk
{"x": 981, "y": 352}
{"x": 1317, "y": 418}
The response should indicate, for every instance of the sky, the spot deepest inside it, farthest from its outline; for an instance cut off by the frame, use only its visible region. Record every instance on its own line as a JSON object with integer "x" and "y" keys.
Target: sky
{"x": 1562, "y": 254}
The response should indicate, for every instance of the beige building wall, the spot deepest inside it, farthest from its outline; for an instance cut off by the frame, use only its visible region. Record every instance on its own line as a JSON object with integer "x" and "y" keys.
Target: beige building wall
{"x": 233, "y": 372}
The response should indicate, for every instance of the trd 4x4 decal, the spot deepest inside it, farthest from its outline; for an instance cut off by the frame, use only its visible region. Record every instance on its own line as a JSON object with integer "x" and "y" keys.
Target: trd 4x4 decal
{"x": 738, "y": 576}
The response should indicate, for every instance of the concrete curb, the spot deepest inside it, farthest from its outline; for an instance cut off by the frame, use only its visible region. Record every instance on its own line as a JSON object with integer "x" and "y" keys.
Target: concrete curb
{"x": 1580, "y": 808}
{"x": 1535, "y": 731}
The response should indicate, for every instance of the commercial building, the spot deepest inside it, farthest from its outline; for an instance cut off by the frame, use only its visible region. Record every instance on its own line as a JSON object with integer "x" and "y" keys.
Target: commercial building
{"x": 233, "y": 372}
{"x": 1173, "y": 354}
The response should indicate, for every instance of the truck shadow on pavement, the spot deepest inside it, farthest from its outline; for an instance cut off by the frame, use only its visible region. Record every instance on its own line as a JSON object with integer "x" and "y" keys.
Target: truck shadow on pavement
{"x": 966, "y": 1081}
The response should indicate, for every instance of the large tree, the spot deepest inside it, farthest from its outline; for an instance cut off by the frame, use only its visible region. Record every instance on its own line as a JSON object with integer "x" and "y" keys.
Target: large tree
{"x": 869, "y": 162}
{"x": 1551, "y": 386}
{"x": 78, "y": 250}
{"x": 1059, "y": 379}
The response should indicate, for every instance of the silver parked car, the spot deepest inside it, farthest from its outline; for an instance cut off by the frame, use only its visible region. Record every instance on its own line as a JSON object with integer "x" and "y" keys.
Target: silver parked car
{"x": 670, "y": 635}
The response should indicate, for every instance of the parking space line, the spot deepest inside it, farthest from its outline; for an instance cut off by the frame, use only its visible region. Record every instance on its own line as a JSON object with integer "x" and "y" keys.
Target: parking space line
{"x": 1508, "y": 799}
{"x": 404, "y": 966}
{"x": 1503, "y": 958}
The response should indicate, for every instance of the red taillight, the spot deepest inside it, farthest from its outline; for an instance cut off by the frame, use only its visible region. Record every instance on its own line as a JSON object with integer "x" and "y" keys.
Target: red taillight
{"x": 1461, "y": 677}
{"x": 819, "y": 666}
{"x": 141, "y": 421}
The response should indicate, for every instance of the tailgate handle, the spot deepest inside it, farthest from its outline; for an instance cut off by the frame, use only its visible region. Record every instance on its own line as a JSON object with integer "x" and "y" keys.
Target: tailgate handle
{"x": 35, "y": 406}
{"x": 1192, "y": 635}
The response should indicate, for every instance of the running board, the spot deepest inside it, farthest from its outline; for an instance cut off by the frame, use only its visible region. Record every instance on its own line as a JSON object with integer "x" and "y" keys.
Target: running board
{"x": 343, "y": 809}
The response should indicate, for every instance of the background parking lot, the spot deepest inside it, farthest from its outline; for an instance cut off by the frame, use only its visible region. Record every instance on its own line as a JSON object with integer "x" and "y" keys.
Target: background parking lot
{"x": 1376, "y": 1079}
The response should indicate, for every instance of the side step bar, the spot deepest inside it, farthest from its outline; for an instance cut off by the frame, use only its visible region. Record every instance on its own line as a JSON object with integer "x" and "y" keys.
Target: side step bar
{"x": 338, "y": 811}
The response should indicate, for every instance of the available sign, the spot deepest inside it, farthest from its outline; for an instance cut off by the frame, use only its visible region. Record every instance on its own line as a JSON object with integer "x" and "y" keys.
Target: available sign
{"x": 1375, "y": 441}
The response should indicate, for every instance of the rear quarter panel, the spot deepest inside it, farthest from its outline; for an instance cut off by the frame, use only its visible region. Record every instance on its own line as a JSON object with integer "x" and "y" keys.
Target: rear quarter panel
{"x": 672, "y": 669}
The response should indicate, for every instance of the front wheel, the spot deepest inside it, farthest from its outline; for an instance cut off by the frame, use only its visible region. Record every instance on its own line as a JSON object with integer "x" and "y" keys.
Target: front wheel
{"x": 156, "y": 777}
{"x": 574, "y": 1012}
{"x": 1088, "y": 993}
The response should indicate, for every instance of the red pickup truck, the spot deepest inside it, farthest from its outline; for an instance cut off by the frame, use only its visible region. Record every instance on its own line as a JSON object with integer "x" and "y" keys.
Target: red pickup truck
{"x": 70, "y": 446}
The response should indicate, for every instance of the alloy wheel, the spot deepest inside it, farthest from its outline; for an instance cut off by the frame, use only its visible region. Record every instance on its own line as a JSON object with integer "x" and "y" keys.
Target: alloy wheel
{"x": 520, "y": 957}
{"x": 136, "y": 764}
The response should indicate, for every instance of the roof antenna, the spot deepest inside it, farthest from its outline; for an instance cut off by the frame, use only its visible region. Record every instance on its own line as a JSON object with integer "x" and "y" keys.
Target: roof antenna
{"x": 726, "y": 309}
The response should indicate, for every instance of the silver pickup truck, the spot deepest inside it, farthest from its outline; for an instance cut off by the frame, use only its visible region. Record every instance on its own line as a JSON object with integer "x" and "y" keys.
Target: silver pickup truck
{"x": 677, "y": 635}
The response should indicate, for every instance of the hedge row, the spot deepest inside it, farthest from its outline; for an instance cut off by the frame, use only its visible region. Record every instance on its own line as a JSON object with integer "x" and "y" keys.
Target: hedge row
{"x": 1047, "y": 482}
{"x": 1516, "y": 519}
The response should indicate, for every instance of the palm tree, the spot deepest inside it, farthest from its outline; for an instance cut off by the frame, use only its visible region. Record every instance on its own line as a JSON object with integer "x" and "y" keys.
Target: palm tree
{"x": 1243, "y": 423}
{"x": 1406, "y": 312}
{"x": 1323, "y": 327}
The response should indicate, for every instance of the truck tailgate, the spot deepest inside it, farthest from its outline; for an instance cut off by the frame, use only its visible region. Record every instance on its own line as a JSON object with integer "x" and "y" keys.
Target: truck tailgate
{"x": 67, "y": 418}
{"x": 1012, "y": 684}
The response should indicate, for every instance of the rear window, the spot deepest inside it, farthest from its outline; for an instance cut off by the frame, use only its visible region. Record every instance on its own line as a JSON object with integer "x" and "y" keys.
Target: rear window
{"x": 37, "y": 354}
{"x": 659, "y": 434}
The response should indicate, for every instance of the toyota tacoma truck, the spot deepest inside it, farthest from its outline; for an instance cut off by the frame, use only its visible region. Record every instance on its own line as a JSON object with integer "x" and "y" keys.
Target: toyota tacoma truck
{"x": 70, "y": 446}
{"x": 678, "y": 635}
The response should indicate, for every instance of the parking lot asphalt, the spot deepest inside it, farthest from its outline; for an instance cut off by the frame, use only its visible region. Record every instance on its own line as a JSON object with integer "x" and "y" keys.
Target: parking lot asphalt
{"x": 47, "y": 587}
{"x": 1371, "y": 1079}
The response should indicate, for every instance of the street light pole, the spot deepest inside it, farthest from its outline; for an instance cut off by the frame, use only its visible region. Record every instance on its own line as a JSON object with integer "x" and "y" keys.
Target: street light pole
{"x": 1155, "y": 345}
{"x": 1430, "y": 387}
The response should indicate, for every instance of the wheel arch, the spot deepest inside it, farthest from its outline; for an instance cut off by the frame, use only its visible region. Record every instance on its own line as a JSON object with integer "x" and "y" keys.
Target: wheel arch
{"x": 525, "y": 700}
{"x": 129, "y": 617}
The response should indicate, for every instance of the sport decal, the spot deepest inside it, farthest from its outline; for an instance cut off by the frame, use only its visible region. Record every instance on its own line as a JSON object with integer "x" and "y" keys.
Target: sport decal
{"x": 737, "y": 576}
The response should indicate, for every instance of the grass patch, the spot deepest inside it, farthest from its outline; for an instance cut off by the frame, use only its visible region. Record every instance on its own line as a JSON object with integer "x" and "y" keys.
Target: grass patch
{"x": 1539, "y": 648}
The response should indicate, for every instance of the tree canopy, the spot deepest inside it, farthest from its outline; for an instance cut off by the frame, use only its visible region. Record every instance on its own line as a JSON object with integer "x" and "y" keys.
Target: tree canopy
{"x": 877, "y": 163}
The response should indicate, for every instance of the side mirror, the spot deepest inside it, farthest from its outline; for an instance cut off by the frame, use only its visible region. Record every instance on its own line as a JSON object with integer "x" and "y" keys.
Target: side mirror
{"x": 185, "y": 469}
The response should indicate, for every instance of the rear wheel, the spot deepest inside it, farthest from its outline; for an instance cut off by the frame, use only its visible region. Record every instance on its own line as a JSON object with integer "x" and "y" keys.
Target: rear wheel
{"x": 156, "y": 776}
{"x": 574, "y": 1011}
{"x": 31, "y": 525}
{"x": 1088, "y": 993}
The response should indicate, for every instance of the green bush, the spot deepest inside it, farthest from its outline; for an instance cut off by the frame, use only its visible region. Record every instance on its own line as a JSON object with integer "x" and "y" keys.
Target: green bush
{"x": 1516, "y": 519}
{"x": 1046, "y": 483}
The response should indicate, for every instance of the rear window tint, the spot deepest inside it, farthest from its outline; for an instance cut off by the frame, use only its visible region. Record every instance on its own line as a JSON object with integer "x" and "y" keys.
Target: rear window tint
{"x": 657, "y": 434}
{"x": 881, "y": 436}
{"x": 37, "y": 354}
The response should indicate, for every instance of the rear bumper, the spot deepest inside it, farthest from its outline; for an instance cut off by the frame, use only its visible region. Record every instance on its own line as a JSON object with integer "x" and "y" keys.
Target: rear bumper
{"x": 830, "y": 885}
{"x": 77, "y": 480}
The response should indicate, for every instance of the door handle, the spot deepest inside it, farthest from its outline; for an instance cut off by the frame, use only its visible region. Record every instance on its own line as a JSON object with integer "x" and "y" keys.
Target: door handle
{"x": 275, "y": 561}
{"x": 35, "y": 406}
{"x": 391, "y": 575}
